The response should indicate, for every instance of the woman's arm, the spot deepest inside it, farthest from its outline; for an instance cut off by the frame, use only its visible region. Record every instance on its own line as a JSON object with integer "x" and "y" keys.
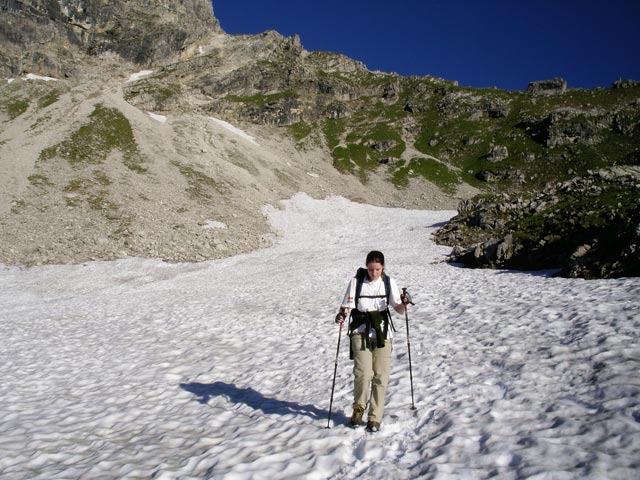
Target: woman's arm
{"x": 396, "y": 299}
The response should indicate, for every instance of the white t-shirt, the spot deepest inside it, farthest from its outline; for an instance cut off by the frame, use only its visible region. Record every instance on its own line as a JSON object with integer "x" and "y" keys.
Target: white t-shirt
{"x": 372, "y": 304}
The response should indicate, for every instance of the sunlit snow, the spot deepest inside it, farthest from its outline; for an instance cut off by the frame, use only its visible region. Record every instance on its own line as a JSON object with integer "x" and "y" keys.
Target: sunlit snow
{"x": 158, "y": 118}
{"x": 214, "y": 224}
{"x": 234, "y": 129}
{"x": 138, "y": 75}
{"x": 223, "y": 369}
{"x": 32, "y": 76}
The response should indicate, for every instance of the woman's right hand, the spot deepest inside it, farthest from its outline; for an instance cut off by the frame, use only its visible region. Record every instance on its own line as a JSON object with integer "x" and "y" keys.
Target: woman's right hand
{"x": 342, "y": 315}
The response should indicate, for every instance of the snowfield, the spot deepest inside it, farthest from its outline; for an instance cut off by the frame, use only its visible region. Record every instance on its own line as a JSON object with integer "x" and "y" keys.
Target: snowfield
{"x": 144, "y": 369}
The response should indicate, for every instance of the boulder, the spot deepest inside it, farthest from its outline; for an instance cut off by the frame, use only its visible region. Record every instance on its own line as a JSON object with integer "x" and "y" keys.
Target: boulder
{"x": 497, "y": 153}
{"x": 496, "y": 108}
{"x": 381, "y": 145}
{"x": 626, "y": 83}
{"x": 554, "y": 86}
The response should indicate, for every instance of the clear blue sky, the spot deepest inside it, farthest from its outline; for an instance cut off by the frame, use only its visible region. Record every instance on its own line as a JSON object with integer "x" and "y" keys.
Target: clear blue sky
{"x": 502, "y": 43}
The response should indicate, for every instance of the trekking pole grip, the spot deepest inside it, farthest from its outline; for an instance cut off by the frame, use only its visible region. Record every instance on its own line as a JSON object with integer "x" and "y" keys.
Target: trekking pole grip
{"x": 407, "y": 296}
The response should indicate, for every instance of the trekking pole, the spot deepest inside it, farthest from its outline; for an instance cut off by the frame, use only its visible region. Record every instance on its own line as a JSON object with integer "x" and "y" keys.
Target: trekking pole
{"x": 406, "y": 317}
{"x": 340, "y": 317}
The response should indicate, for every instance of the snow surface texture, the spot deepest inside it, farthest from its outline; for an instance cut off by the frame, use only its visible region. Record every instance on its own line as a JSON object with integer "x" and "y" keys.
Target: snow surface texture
{"x": 223, "y": 369}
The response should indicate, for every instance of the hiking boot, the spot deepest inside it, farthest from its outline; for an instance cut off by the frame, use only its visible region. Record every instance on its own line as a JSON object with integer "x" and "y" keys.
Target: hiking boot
{"x": 372, "y": 426}
{"x": 356, "y": 418}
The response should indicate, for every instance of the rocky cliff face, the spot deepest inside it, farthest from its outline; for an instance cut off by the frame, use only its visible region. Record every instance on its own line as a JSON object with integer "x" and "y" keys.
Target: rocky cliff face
{"x": 266, "y": 79}
{"x": 47, "y": 35}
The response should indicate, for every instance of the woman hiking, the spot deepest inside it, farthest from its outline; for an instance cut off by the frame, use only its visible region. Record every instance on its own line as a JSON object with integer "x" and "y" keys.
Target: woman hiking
{"x": 369, "y": 295}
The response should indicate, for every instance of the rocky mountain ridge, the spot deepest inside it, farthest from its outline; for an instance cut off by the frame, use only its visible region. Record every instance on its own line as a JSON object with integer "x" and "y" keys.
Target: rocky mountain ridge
{"x": 139, "y": 165}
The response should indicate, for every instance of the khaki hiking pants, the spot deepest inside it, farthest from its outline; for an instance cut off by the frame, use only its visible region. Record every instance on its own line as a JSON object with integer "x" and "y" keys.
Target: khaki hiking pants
{"x": 371, "y": 369}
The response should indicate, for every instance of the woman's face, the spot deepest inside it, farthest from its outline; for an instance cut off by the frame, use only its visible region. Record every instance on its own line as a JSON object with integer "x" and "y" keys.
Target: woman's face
{"x": 375, "y": 270}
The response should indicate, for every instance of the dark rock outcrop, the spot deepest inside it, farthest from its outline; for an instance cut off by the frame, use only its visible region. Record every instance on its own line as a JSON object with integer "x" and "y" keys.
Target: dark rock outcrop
{"x": 554, "y": 86}
{"x": 588, "y": 227}
{"x": 625, "y": 83}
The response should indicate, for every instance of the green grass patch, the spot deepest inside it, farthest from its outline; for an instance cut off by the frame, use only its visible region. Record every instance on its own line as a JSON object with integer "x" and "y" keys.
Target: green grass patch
{"x": 429, "y": 126}
{"x": 108, "y": 129}
{"x": 383, "y": 132}
{"x": 274, "y": 67}
{"x": 161, "y": 93}
{"x": 48, "y": 99}
{"x": 100, "y": 201}
{"x": 369, "y": 79}
{"x": 15, "y": 108}
{"x": 40, "y": 180}
{"x": 432, "y": 170}
{"x": 372, "y": 111}
{"x": 365, "y": 147}
{"x": 39, "y": 121}
{"x": 333, "y": 130}
{"x": 352, "y": 158}
{"x": 102, "y": 179}
{"x": 91, "y": 191}
{"x": 18, "y": 206}
{"x": 166, "y": 92}
{"x": 336, "y": 77}
{"x": 76, "y": 185}
{"x": 590, "y": 210}
{"x": 200, "y": 185}
{"x": 300, "y": 130}
{"x": 320, "y": 57}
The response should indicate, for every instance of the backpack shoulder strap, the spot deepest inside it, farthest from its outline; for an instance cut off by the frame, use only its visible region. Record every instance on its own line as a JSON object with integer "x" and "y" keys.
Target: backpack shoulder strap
{"x": 387, "y": 287}
{"x": 360, "y": 276}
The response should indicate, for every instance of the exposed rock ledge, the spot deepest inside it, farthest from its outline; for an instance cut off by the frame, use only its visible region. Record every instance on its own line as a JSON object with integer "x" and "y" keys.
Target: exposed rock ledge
{"x": 587, "y": 227}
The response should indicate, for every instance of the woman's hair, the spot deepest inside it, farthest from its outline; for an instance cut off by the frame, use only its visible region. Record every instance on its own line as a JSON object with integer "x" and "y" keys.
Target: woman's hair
{"x": 375, "y": 256}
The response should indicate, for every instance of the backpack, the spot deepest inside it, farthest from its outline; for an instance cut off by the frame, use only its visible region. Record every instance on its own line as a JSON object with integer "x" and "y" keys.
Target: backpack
{"x": 358, "y": 318}
{"x": 361, "y": 274}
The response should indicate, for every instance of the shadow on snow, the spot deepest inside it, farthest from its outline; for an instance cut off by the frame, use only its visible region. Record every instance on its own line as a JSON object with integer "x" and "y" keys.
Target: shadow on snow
{"x": 257, "y": 401}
